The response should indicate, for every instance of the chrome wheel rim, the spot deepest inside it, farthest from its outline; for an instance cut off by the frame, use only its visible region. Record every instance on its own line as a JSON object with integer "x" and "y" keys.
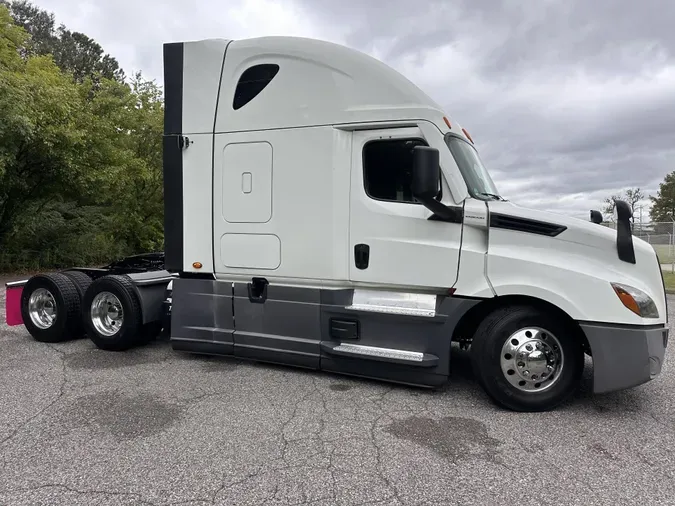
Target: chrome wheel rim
{"x": 42, "y": 308}
{"x": 107, "y": 314}
{"x": 532, "y": 360}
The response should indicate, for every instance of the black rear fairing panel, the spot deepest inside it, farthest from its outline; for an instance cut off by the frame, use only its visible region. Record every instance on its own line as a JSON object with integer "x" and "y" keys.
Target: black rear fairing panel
{"x": 172, "y": 156}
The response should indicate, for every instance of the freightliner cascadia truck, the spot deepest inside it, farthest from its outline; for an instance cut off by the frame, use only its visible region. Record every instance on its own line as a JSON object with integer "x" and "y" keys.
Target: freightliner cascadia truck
{"x": 321, "y": 211}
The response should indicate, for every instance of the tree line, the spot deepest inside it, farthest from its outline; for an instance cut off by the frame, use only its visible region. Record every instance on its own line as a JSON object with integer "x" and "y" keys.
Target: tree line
{"x": 662, "y": 211}
{"x": 80, "y": 147}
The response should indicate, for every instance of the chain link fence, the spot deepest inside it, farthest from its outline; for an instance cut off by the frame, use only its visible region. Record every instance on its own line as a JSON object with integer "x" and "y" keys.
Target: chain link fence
{"x": 661, "y": 236}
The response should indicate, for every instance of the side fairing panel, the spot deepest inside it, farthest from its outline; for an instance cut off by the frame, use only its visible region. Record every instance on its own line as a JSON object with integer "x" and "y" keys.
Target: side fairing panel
{"x": 472, "y": 280}
{"x": 197, "y": 205}
{"x": 202, "y": 67}
{"x": 191, "y": 81}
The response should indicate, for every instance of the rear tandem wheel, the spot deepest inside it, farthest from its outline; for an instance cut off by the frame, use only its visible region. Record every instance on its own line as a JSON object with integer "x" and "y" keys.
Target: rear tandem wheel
{"x": 111, "y": 313}
{"x": 50, "y": 308}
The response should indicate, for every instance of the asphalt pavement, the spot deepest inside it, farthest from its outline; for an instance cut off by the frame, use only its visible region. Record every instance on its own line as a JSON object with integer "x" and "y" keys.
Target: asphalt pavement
{"x": 80, "y": 426}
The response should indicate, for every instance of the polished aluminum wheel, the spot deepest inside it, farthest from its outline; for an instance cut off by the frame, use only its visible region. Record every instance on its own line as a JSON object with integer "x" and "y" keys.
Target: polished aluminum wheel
{"x": 42, "y": 308}
{"x": 532, "y": 359}
{"x": 107, "y": 314}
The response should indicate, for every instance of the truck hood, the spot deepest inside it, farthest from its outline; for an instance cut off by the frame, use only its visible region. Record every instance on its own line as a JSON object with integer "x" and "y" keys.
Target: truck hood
{"x": 582, "y": 257}
{"x": 577, "y": 231}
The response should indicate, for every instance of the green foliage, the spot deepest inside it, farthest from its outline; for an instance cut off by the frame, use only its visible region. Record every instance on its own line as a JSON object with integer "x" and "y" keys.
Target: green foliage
{"x": 80, "y": 156}
{"x": 73, "y": 52}
{"x": 663, "y": 204}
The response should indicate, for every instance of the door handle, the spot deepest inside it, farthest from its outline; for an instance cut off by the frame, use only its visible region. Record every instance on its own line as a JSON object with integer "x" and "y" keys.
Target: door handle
{"x": 361, "y": 256}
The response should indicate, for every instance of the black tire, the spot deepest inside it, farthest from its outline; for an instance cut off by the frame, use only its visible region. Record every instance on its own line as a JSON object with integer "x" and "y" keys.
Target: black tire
{"x": 82, "y": 282}
{"x": 129, "y": 333}
{"x": 66, "y": 301}
{"x": 486, "y": 354}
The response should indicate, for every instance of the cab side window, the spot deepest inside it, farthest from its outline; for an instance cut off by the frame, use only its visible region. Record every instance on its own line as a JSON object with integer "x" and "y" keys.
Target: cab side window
{"x": 387, "y": 169}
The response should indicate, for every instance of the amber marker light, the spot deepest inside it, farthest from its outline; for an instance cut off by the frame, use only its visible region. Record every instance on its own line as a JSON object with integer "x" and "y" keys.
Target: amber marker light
{"x": 467, "y": 135}
{"x": 197, "y": 265}
{"x": 636, "y": 300}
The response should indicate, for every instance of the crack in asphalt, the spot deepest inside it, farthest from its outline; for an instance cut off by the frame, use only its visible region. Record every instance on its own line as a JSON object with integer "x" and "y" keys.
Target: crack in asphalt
{"x": 109, "y": 493}
{"x": 60, "y": 395}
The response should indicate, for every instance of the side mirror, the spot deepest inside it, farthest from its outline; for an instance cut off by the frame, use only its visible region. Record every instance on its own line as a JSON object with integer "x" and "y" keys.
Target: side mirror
{"x": 426, "y": 173}
{"x": 596, "y": 217}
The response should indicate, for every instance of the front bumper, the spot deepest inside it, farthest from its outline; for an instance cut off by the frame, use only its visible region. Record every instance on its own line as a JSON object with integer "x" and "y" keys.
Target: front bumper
{"x": 625, "y": 356}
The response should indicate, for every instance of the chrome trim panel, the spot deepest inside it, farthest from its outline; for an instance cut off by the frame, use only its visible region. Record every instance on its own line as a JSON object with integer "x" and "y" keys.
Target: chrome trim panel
{"x": 379, "y": 301}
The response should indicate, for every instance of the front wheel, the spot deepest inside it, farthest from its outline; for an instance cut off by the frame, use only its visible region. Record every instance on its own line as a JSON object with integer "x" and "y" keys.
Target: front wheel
{"x": 527, "y": 359}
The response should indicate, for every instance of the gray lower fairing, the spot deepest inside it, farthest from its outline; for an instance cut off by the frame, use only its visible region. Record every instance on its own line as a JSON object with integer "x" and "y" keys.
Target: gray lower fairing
{"x": 316, "y": 328}
{"x": 625, "y": 356}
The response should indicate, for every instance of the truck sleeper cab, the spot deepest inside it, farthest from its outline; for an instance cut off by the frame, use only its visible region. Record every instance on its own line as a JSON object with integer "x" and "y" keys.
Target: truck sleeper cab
{"x": 322, "y": 211}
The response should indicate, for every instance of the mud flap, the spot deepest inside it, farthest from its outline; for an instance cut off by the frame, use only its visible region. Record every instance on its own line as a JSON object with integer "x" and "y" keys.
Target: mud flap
{"x": 13, "y": 305}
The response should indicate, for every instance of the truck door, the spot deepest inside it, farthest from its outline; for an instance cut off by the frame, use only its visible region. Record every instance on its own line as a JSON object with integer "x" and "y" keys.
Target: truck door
{"x": 396, "y": 322}
{"x": 392, "y": 240}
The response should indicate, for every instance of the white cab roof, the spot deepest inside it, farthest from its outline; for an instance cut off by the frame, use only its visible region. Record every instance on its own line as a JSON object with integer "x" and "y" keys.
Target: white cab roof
{"x": 318, "y": 83}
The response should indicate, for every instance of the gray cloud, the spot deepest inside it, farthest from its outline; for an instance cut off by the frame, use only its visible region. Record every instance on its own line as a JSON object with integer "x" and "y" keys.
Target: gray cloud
{"x": 568, "y": 100}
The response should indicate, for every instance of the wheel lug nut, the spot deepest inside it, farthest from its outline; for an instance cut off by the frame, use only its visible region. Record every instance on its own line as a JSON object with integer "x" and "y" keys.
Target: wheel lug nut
{"x": 528, "y": 347}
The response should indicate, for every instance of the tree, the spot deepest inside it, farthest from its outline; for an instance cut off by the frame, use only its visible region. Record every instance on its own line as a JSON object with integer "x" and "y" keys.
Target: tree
{"x": 72, "y": 52}
{"x": 631, "y": 196}
{"x": 663, "y": 204}
{"x": 80, "y": 158}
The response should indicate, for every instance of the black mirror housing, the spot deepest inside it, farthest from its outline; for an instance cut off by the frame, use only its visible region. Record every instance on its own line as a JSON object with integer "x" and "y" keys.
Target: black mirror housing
{"x": 426, "y": 179}
{"x": 426, "y": 173}
{"x": 596, "y": 216}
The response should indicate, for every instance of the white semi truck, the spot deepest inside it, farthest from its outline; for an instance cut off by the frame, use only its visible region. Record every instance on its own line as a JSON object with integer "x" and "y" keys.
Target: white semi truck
{"x": 322, "y": 211}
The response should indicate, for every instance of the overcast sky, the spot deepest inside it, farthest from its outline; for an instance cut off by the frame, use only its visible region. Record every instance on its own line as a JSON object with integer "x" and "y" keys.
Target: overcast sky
{"x": 567, "y": 100}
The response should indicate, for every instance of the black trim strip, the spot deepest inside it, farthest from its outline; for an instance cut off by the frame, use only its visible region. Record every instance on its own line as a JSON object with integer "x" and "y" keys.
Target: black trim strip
{"x": 528, "y": 225}
{"x": 623, "y": 326}
{"x": 173, "y": 88}
{"x": 172, "y": 156}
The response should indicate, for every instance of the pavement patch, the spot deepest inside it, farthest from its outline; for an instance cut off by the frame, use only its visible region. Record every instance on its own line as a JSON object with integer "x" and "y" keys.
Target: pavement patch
{"x": 120, "y": 415}
{"x": 453, "y": 438}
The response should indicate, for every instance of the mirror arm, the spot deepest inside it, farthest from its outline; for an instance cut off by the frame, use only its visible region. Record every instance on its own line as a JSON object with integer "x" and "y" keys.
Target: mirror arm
{"x": 443, "y": 212}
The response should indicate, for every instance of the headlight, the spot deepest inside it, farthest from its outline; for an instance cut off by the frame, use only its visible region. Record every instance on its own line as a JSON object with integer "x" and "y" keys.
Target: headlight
{"x": 636, "y": 300}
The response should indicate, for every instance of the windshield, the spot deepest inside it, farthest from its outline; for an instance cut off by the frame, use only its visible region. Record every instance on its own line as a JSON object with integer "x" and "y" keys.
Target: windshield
{"x": 476, "y": 176}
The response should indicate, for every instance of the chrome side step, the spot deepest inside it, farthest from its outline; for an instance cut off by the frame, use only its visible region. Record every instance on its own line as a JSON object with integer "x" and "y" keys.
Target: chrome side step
{"x": 379, "y": 301}
{"x": 360, "y": 351}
